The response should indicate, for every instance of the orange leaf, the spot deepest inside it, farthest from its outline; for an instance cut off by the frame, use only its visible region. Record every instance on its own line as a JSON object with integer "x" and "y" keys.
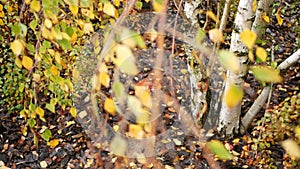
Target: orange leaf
{"x": 53, "y": 143}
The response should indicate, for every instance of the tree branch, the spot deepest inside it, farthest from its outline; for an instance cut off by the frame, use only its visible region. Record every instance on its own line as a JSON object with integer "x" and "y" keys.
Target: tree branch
{"x": 261, "y": 99}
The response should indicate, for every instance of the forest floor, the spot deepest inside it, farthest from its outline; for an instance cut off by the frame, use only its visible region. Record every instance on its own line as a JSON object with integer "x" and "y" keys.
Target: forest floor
{"x": 75, "y": 148}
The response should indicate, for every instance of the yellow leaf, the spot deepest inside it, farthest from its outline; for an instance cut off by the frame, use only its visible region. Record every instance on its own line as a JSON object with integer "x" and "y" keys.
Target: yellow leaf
{"x": 118, "y": 145}
{"x": 254, "y": 5}
{"x": 35, "y": 6}
{"x": 104, "y": 79}
{"x": 297, "y": 131}
{"x": 136, "y": 131}
{"x": 54, "y": 70}
{"x": 87, "y": 12}
{"x": 251, "y": 56}
{"x": 73, "y": 112}
{"x": 53, "y": 143}
{"x": 117, "y": 3}
{"x": 291, "y": 147}
{"x": 233, "y": 95}
{"x": 109, "y": 106}
{"x": 39, "y": 111}
{"x": 212, "y": 16}
{"x": 109, "y": 9}
{"x": 215, "y": 35}
{"x": 27, "y": 62}
{"x": 157, "y": 5}
{"x": 229, "y": 60}
{"x": 261, "y": 53}
{"x": 48, "y": 23}
{"x": 265, "y": 17}
{"x": 143, "y": 95}
{"x": 278, "y": 17}
{"x": 17, "y": 47}
{"x": 74, "y": 9}
{"x": 248, "y": 38}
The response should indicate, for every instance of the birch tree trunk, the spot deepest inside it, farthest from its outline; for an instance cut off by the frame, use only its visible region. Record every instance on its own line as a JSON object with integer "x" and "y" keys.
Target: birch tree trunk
{"x": 230, "y": 117}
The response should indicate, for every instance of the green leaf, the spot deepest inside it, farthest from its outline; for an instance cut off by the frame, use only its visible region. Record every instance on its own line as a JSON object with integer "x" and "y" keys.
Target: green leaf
{"x": 16, "y": 29}
{"x": 138, "y": 5}
{"x": 31, "y": 122}
{"x": 266, "y": 74}
{"x": 50, "y": 107}
{"x": 219, "y": 150}
{"x": 33, "y": 24}
{"x": 65, "y": 44}
{"x": 229, "y": 60}
{"x": 46, "y": 135}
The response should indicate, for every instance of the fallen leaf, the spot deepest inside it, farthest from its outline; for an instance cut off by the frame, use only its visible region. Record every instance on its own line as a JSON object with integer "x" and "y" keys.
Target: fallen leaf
{"x": 136, "y": 131}
{"x": 109, "y": 106}
{"x": 219, "y": 149}
{"x": 53, "y": 143}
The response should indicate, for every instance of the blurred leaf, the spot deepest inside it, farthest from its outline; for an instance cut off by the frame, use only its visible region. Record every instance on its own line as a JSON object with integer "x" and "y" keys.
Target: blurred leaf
{"x": 119, "y": 90}
{"x": 104, "y": 79}
{"x": 136, "y": 131}
{"x": 254, "y": 5}
{"x": 17, "y": 47}
{"x": 73, "y": 112}
{"x": 200, "y": 35}
{"x": 216, "y": 35}
{"x": 46, "y": 135}
{"x": 109, "y": 9}
{"x": 118, "y": 145}
{"x": 142, "y": 115}
{"x": 291, "y": 147}
{"x": 109, "y": 106}
{"x": 27, "y": 62}
{"x": 138, "y": 5}
{"x": 233, "y": 95}
{"x": 35, "y": 6}
{"x": 117, "y": 3}
{"x": 261, "y": 53}
{"x": 143, "y": 95}
{"x": 248, "y": 38}
{"x": 53, "y": 143}
{"x": 219, "y": 150}
{"x": 229, "y": 60}
{"x": 266, "y": 74}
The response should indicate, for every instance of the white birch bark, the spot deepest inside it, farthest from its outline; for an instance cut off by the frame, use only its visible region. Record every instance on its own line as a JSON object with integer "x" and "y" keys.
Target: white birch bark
{"x": 230, "y": 117}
